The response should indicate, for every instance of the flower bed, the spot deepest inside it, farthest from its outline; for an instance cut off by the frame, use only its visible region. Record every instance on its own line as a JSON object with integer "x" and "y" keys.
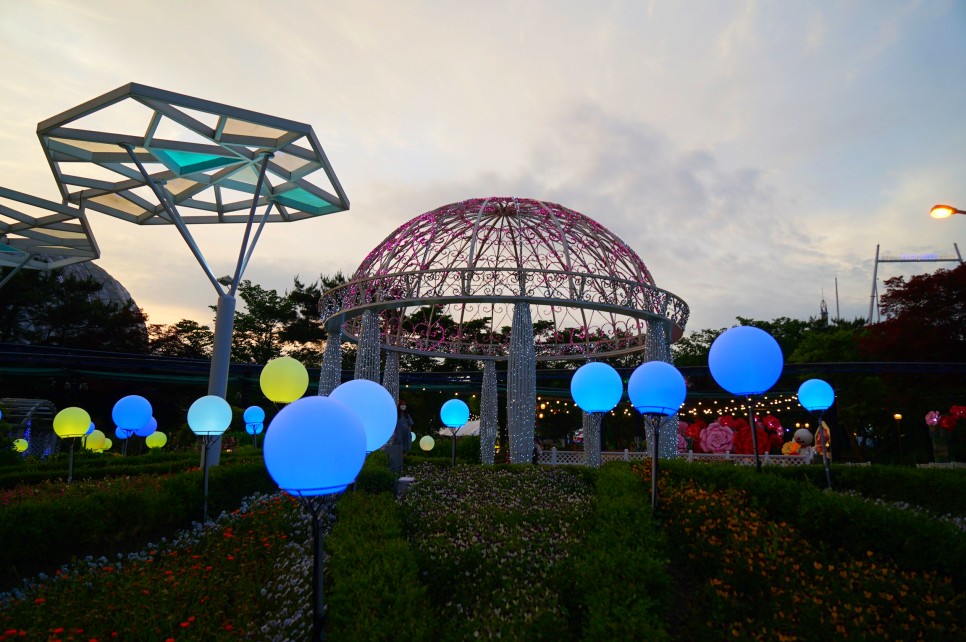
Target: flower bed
{"x": 749, "y": 576}
{"x": 490, "y": 544}
{"x": 243, "y": 576}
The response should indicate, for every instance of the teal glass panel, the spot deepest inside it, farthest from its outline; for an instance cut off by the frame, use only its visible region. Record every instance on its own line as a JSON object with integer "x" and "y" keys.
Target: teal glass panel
{"x": 189, "y": 162}
{"x": 301, "y": 199}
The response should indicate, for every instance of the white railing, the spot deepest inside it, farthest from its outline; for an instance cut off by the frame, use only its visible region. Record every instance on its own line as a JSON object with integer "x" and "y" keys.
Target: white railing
{"x": 554, "y": 457}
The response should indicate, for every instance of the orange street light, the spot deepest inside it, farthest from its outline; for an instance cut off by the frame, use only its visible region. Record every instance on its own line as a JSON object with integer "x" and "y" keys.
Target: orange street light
{"x": 944, "y": 211}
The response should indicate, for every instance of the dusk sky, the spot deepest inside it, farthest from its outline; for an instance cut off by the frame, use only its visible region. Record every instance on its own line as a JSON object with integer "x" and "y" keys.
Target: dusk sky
{"x": 750, "y": 152}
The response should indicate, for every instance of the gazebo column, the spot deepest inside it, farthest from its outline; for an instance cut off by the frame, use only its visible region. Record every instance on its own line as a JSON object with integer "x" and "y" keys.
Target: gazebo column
{"x": 330, "y": 376}
{"x": 521, "y": 385}
{"x": 591, "y": 424}
{"x": 488, "y": 412}
{"x": 657, "y": 348}
{"x": 367, "y": 356}
{"x": 390, "y": 376}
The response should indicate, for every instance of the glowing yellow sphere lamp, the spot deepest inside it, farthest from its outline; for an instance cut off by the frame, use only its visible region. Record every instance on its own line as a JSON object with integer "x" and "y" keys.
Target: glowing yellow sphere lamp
{"x": 95, "y": 440}
{"x": 71, "y": 423}
{"x": 20, "y": 445}
{"x": 426, "y": 443}
{"x": 284, "y": 380}
{"x": 156, "y": 440}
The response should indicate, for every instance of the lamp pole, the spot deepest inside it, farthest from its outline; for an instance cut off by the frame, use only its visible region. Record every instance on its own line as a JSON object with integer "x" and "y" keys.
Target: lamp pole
{"x": 898, "y": 418}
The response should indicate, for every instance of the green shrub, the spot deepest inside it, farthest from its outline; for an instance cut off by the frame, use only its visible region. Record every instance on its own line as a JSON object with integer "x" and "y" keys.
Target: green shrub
{"x": 620, "y": 588}
{"x": 41, "y": 535}
{"x": 912, "y": 540}
{"x": 373, "y": 589}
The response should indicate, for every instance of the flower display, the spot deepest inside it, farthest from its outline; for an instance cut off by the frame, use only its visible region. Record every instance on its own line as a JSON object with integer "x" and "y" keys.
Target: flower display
{"x": 717, "y": 438}
{"x": 958, "y": 411}
{"x": 932, "y": 418}
{"x": 693, "y": 431}
{"x": 948, "y": 422}
{"x": 682, "y": 428}
{"x": 727, "y": 421}
{"x": 743, "y": 442}
{"x": 682, "y": 444}
{"x": 791, "y": 448}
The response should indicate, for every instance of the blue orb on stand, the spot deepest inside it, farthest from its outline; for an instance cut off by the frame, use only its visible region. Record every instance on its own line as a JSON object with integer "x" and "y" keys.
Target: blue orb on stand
{"x": 745, "y": 360}
{"x": 596, "y": 387}
{"x": 316, "y": 446}
{"x": 816, "y": 395}
{"x": 131, "y": 412}
{"x": 454, "y": 413}
{"x": 656, "y": 388}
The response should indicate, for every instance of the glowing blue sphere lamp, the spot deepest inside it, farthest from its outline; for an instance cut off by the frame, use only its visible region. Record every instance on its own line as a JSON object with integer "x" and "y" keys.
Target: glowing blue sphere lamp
{"x": 208, "y": 417}
{"x": 314, "y": 448}
{"x": 454, "y": 414}
{"x": 130, "y": 414}
{"x": 657, "y": 390}
{"x": 254, "y": 418}
{"x": 374, "y": 406}
{"x": 596, "y": 389}
{"x": 817, "y": 396}
{"x": 746, "y": 361}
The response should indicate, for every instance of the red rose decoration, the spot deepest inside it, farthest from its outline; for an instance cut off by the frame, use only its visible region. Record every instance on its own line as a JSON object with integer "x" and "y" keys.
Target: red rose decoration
{"x": 772, "y": 422}
{"x": 693, "y": 431}
{"x": 740, "y": 424}
{"x": 948, "y": 422}
{"x": 743, "y": 445}
{"x": 958, "y": 411}
{"x": 727, "y": 421}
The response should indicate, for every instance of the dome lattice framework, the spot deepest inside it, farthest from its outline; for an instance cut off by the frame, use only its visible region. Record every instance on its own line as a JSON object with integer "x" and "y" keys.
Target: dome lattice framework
{"x": 444, "y": 284}
{"x": 495, "y": 279}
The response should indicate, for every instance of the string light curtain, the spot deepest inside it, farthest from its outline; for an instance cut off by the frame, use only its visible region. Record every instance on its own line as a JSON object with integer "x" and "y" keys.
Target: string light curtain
{"x": 367, "y": 358}
{"x": 390, "y": 376}
{"x": 489, "y": 402}
{"x": 591, "y": 425}
{"x": 657, "y": 348}
{"x": 330, "y": 375}
{"x": 521, "y": 385}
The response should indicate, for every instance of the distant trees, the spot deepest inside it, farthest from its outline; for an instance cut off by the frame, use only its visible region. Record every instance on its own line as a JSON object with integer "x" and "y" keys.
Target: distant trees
{"x": 54, "y": 309}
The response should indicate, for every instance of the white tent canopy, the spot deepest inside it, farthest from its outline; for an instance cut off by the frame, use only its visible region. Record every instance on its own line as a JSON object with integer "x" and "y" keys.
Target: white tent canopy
{"x": 471, "y": 428}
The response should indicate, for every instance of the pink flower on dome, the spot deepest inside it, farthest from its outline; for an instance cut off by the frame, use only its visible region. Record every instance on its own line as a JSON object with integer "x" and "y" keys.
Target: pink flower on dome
{"x": 682, "y": 427}
{"x": 717, "y": 438}
{"x": 932, "y": 418}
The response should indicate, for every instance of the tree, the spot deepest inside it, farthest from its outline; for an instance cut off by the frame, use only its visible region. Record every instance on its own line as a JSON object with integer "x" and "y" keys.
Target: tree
{"x": 186, "y": 339}
{"x": 259, "y": 328}
{"x": 54, "y": 309}
{"x": 925, "y": 319}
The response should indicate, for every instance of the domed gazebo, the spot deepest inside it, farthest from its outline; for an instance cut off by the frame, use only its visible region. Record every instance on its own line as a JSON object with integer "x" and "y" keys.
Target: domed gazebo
{"x": 494, "y": 279}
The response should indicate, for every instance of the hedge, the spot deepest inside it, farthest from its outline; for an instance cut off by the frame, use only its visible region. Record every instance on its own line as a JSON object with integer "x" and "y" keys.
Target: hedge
{"x": 912, "y": 540}
{"x": 39, "y": 536}
{"x": 373, "y": 590}
{"x": 619, "y": 585}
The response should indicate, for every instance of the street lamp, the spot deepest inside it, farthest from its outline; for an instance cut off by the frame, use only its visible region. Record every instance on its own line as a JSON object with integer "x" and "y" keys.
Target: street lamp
{"x": 656, "y": 390}
{"x": 817, "y": 396}
{"x": 944, "y": 211}
{"x": 898, "y": 419}
{"x": 746, "y": 361}
{"x": 208, "y": 417}
{"x": 314, "y": 448}
{"x": 454, "y": 414}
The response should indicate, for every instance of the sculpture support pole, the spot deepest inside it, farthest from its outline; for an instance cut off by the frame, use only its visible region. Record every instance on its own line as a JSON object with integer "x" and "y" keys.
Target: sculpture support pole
{"x": 521, "y": 385}
{"x": 488, "y": 412}
{"x": 330, "y": 375}
{"x": 220, "y": 362}
{"x": 592, "y": 421}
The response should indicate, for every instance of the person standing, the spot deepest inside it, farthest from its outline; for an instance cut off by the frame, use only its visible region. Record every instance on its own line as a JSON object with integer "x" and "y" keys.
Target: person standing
{"x": 404, "y": 427}
{"x": 401, "y": 437}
